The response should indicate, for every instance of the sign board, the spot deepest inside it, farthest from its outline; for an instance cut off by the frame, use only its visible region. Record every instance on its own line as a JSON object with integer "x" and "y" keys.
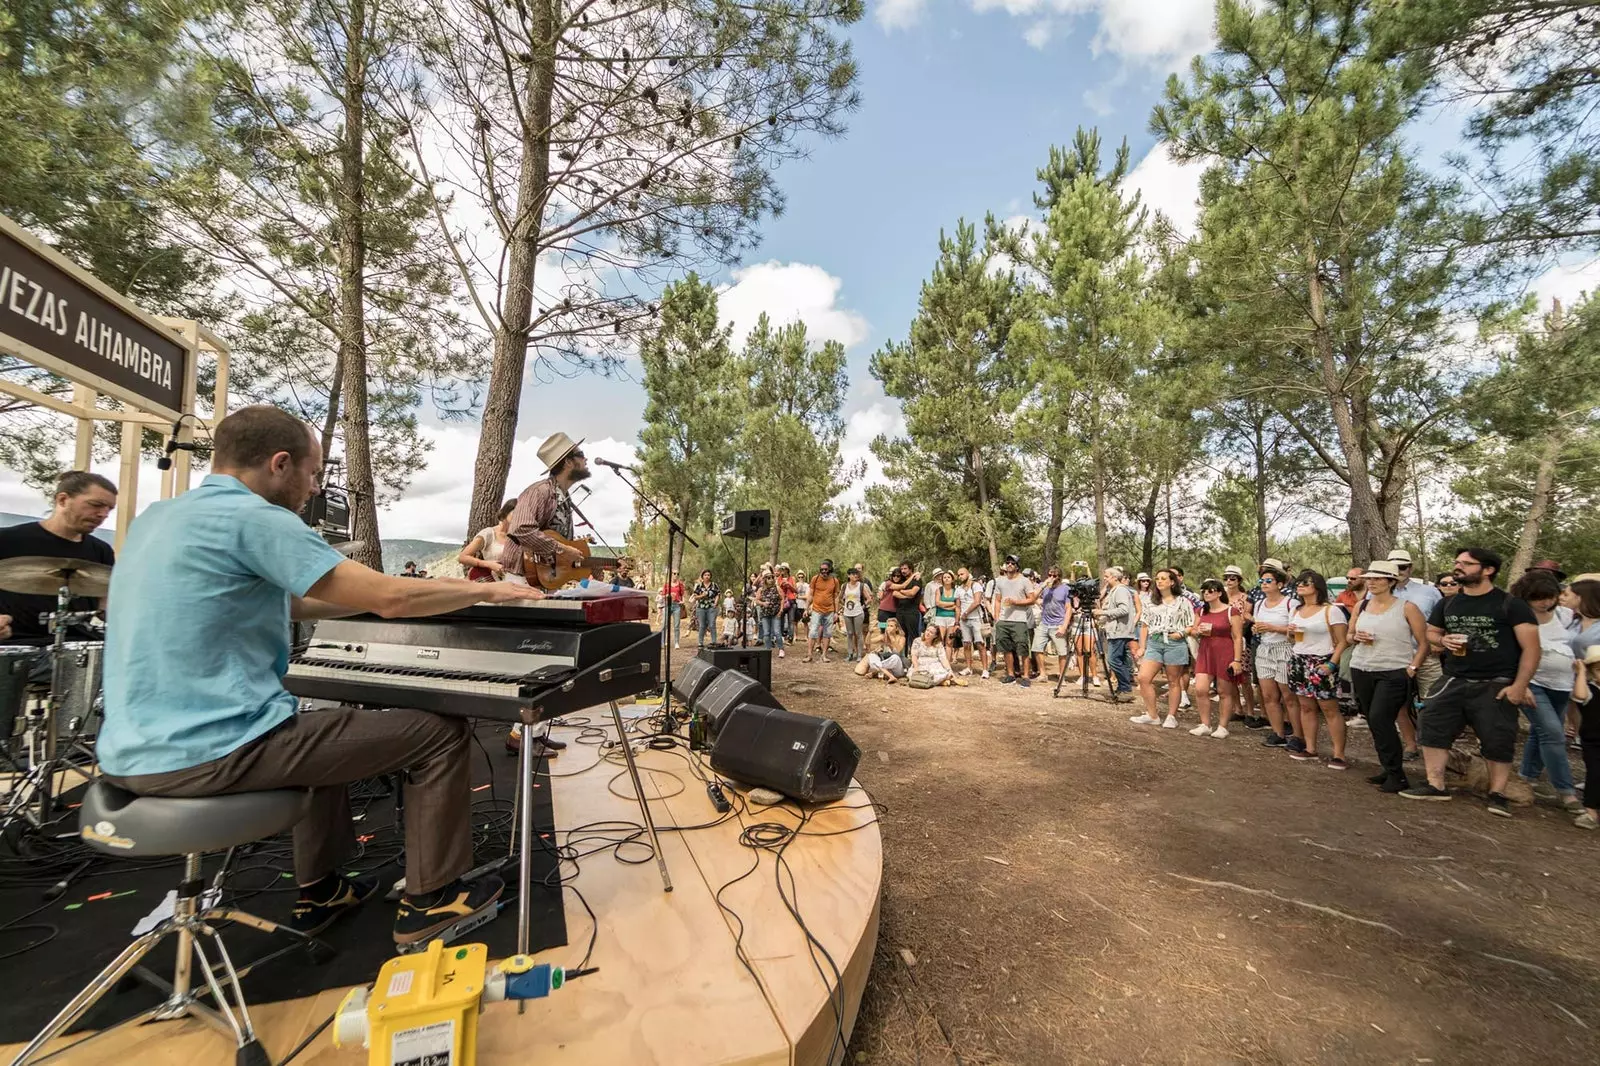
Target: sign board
{"x": 62, "y": 319}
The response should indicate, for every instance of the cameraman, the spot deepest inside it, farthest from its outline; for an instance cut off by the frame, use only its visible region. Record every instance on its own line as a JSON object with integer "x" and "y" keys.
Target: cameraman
{"x": 1119, "y": 613}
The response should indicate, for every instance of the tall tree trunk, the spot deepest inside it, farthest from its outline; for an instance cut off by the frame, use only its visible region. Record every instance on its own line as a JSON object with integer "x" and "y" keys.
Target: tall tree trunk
{"x": 1148, "y": 520}
{"x": 1098, "y": 476}
{"x": 777, "y": 533}
{"x": 1259, "y": 487}
{"x": 503, "y": 398}
{"x": 1422, "y": 528}
{"x": 330, "y": 421}
{"x": 352, "y": 358}
{"x": 1368, "y": 539}
{"x": 1539, "y": 504}
{"x": 1052, "y": 533}
{"x": 983, "y": 511}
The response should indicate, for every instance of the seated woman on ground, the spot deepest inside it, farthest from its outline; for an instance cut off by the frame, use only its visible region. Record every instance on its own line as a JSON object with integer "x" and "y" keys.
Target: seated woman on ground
{"x": 888, "y": 662}
{"x": 930, "y": 656}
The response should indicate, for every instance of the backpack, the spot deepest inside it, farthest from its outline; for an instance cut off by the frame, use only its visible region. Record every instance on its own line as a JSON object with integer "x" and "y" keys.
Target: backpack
{"x": 919, "y": 679}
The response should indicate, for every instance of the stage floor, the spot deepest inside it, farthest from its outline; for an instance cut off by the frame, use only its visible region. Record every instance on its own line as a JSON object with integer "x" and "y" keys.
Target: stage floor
{"x": 670, "y": 987}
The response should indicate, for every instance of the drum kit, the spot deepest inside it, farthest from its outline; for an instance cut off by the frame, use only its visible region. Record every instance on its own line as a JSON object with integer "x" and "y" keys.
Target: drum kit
{"x": 50, "y": 703}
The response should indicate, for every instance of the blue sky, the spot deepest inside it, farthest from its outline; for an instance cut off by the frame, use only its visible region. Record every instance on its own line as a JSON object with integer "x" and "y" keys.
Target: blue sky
{"x": 961, "y": 100}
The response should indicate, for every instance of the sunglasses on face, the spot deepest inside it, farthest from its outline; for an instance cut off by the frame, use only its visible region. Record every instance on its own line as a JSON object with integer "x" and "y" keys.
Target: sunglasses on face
{"x": 1448, "y": 585}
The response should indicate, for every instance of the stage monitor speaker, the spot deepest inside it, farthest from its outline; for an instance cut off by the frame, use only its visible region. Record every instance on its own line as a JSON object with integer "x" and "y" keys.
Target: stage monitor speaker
{"x": 748, "y": 525}
{"x": 692, "y": 679}
{"x": 730, "y": 689}
{"x": 752, "y": 662}
{"x": 806, "y": 758}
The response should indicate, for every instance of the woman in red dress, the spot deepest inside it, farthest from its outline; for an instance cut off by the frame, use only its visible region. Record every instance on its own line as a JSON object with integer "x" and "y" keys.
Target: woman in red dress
{"x": 1220, "y": 628}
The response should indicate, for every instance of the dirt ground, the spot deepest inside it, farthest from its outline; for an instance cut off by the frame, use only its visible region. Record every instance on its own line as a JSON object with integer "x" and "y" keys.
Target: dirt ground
{"x": 1074, "y": 888}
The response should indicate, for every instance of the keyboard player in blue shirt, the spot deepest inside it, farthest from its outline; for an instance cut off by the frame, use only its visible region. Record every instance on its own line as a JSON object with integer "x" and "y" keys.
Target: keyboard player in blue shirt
{"x": 197, "y": 643}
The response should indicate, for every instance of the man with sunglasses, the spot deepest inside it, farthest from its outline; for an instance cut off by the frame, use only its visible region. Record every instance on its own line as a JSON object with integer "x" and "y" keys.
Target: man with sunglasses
{"x": 1491, "y": 641}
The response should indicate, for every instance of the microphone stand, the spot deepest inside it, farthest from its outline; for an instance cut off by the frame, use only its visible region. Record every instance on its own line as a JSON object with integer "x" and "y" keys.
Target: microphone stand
{"x": 674, "y": 530}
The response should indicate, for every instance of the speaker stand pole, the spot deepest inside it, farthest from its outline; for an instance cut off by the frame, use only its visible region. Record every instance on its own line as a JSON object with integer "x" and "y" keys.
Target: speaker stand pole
{"x": 638, "y": 790}
{"x": 674, "y": 530}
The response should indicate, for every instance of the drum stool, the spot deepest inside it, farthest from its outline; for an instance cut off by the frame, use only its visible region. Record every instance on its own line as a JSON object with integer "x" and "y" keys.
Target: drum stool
{"x": 120, "y": 823}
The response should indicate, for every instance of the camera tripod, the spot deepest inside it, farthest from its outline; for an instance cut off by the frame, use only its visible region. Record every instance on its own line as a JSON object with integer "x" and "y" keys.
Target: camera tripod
{"x": 1084, "y": 624}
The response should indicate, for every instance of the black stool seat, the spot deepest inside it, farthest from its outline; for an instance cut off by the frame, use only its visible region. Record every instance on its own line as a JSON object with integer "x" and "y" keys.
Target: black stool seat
{"x": 118, "y": 822}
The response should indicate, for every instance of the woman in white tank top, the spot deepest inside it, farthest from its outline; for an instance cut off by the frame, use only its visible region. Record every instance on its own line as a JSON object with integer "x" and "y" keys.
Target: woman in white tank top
{"x": 1391, "y": 640}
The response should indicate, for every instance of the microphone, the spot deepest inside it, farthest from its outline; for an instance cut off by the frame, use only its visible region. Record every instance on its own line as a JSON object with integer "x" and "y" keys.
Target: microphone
{"x": 173, "y": 445}
{"x": 617, "y": 466}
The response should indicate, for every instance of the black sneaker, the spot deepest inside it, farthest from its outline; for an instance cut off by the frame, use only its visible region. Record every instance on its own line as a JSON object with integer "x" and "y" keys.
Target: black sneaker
{"x": 1006, "y": 679}
{"x": 1396, "y": 783}
{"x": 1425, "y": 791}
{"x": 1499, "y": 806}
{"x": 1023, "y": 682}
{"x": 1413, "y": 755}
{"x": 1380, "y": 778}
{"x": 1294, "y": 744}
{"x": 425, "y": 917}
{"x": 1274, "y": 740}
{"x": 1256, "y": 723}
{"x": 319, "y": 905}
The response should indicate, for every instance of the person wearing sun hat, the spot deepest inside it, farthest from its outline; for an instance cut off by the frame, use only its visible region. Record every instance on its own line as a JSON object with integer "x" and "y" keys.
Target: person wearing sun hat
{"x": 545, "y": 508}
{"x": 1390, "y": 639}
{"x": 1586, "y": 697}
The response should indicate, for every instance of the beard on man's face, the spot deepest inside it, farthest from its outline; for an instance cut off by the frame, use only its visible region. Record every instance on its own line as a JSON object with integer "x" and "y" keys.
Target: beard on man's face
{"x": 581, "y": 473}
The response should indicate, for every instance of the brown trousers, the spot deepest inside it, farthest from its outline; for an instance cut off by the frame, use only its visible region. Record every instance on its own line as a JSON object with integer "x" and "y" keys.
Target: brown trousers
{"x": 326, "y": 750}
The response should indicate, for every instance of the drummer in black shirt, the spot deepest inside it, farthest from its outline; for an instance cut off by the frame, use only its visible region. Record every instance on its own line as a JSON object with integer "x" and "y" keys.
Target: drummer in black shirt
{"x": 82, "y": 502}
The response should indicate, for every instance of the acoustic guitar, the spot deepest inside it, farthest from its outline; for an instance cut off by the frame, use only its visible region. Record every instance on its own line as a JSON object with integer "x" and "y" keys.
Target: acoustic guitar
{"x": 550, "y": 574}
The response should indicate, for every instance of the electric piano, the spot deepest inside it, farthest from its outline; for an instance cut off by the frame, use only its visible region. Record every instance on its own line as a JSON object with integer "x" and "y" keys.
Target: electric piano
{"x": 556, "y": 656}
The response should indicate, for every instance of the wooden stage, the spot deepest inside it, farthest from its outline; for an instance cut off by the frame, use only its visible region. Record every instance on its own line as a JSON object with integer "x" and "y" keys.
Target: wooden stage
{"x": 669, "y": 987}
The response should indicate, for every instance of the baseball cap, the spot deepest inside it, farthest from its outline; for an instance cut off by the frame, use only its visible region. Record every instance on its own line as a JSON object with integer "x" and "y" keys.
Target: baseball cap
{"x": 1013, "y": 560}
{"x": 1400, "y": 555}
{"x": 1232, "y": 571}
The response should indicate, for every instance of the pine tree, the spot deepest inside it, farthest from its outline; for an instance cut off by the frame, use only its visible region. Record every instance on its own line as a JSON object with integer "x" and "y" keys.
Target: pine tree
{"x": 1322, "y": 242}
{"x": 692, "y": 405}
{"x": 953, "y": 483}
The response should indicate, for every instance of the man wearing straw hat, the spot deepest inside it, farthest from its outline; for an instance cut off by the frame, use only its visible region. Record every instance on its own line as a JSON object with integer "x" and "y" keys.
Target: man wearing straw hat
{"x": 545, "y": 507}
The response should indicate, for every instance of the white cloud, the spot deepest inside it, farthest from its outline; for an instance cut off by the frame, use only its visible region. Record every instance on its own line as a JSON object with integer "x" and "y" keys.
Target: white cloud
{"x": 1098, "y": 100}
{"x": 435, "y": 504}
{"x": 17, "y": 498}
{"x": 899, "y": 14}
{"x": 789, "y": 292}
{"x": 861, "y": 428}
{"x": 1038, "y": 35}
{"x": 1566, "y": 282}
{"x": 1170, "y": 187}
{"x": 1159, "y": 32}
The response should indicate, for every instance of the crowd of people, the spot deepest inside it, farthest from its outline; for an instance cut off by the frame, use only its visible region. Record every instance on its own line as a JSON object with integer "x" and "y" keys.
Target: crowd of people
{"x": 1413, "y": 661}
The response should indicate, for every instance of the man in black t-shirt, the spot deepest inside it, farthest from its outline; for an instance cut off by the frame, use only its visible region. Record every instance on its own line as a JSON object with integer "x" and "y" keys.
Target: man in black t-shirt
{"x": 1491, "y": 645}
{"x": 82, "y": 502}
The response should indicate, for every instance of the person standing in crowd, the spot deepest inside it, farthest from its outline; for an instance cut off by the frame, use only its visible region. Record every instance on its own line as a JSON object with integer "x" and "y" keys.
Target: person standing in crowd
{"x": 888, "y": 663}
{"x": 1055, "y": 614}
{"x": 1013, "y": 595}
{"x": 672, "y": 606}
{"x": 769, "y": 611}
{"x": 786, "y": 587}
{"x": 824, "y": 596}
{"x": 1354, "y": 590}
{"x": 802, "y": 605}
{"x": 1493, "y": 641}
{"x": 481, "y": 557}
{"x": 1194, "y": 648}
{"x": 1166, "y": 623}
{"x": 930, "y": 593}
{"x": 409, "y": 570}
{"x": 1582, "y": 598}
{"x": 730, "y": 619}
{"x": 1584, "y": 696}
{"x": 1553, "y": 681}
{"x": 1142, "y": 588}
{"x": 969, "y": 621}
{"x": 1239, "y": 600}
{"x": 853, "y": 609}
{"x": 1220, "y": 629}
{"x": 1318, "y": 634}
{"x": 705, "y": 608}
{"x": 908, "y": 600}
{"x": 1271, "y": 611}
{"x": 1118, "y": 613}
{"x": 1426, "y": 597}
{"x": 1389, "y": 640}
{"x": 944, "y": 609}
{"x": 888, "y": 604}
{"x": 1447, "y": 585}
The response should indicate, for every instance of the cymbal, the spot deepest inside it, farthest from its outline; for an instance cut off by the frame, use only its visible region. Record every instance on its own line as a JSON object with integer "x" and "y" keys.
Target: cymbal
{"x": 41, "y": 575}
{"x": 350, "y": 547}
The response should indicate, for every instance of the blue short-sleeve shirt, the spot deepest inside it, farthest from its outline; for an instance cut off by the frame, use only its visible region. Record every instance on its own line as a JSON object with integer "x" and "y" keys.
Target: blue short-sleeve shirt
{"x": 197, "y": 631}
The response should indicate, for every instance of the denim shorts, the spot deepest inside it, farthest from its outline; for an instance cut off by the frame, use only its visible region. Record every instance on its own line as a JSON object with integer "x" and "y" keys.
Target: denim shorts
{"x": 1159, "y": 649}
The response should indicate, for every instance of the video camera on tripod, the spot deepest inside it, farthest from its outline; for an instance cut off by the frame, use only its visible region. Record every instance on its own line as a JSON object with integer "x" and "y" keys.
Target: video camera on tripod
{"x": 1087, "y": 592}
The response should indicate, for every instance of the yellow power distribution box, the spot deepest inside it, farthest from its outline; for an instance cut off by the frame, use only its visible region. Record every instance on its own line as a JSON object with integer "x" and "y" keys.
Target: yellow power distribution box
{"x": 423, "y": 1011}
